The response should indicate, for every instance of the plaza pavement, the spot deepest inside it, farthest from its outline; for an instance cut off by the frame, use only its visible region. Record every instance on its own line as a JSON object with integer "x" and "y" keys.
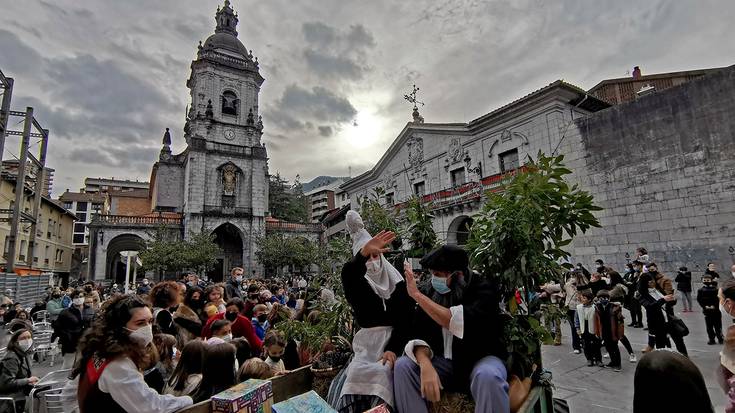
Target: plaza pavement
{"x": 596, "y": 389}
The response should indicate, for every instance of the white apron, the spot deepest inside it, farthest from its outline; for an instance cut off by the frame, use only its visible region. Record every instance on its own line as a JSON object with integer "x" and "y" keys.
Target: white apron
{"x": 365, "y": 374}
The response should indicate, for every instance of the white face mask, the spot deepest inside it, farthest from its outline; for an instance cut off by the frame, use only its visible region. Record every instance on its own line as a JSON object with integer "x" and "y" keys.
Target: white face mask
{"x": 238, "y": 278}
{"x": 733, "y": 274}
{"x": 26, "y": 344}
{"x": 78, "y": 301}
{"x": 373, "y": 265}
{"x": 143, "y": 335}
{"x": 228, "y": 337}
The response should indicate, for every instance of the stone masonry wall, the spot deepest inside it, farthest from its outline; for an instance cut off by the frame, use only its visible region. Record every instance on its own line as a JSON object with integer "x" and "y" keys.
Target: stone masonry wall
{"x": 663, "y": 167}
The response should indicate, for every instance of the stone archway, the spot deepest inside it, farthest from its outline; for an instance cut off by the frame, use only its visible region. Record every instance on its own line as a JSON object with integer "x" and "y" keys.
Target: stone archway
{"x": 114, "y": 265}
{"x": 230, "y": 240}
{"x": 459, "y": 230}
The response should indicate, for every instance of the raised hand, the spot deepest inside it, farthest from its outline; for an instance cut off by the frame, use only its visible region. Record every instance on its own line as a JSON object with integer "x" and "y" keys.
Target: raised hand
{"x": 378, "y": 244}
{"x": 410, "y": 280}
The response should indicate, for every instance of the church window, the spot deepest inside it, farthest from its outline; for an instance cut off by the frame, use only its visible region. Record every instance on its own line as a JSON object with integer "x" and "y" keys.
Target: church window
{"x": 458, "y": 177}
{"x": 419, "y": 189}
{"x": 508, "y": 160}
{"x": 229, "y": 103}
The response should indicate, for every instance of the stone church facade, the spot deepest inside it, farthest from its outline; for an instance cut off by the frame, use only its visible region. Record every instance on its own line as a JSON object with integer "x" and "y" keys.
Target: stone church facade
{"x": 219, "y": 183}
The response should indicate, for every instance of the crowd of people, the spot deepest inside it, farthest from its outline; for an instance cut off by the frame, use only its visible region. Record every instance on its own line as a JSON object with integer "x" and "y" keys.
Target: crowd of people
{"x": 177, "y": 342}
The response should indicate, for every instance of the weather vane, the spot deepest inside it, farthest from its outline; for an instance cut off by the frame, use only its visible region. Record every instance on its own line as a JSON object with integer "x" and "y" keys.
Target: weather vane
{"x": 411, "y": 97}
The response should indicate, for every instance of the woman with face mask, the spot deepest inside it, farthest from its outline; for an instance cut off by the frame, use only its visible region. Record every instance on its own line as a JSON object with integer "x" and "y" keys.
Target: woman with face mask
{"x": 15, "y": 375}
{"x": 188, "y": 316}
{"x": 108, "y": 375}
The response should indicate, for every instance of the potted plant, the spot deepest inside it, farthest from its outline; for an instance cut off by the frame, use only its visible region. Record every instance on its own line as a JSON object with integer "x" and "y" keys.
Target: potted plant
{"x": 518, "y": 240}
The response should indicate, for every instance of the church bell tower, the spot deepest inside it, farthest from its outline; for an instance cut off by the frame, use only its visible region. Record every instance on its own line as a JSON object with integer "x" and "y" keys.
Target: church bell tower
{"x": 226, "y": 178}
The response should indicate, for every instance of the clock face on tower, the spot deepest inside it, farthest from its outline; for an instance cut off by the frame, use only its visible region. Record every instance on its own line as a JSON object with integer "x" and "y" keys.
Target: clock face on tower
{"x": 229, "y": 134}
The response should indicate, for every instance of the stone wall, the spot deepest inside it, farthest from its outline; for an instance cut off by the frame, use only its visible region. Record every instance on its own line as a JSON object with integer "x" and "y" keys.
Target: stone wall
{"x": 168, "y": 191}
{"x": 663, "y": 167}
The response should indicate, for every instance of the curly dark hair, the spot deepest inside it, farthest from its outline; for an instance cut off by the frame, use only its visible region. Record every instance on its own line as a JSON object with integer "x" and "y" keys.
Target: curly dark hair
{"x": 108, "y": 339}
{"x": 165, "y": 294}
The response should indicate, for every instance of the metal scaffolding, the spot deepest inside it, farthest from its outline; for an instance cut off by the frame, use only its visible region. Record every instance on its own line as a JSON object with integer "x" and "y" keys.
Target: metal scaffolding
{"x": 27, "y": 182}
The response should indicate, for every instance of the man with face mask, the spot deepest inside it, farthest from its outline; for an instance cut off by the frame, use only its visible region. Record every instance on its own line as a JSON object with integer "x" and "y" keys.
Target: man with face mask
{"x": 457, "y": 338}
{"x": 54, "y": 307}
{"x": 234, "y": 284}
{"x": 241, "y": 326}
{"x": 708, "y": 300}
{"x": 70, "y": 326}
{"x": 610, "y": 327}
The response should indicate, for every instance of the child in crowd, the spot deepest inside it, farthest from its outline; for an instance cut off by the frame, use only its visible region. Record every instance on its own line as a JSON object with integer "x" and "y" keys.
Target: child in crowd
{"x": 221, "y": 332}
{"x": 275, "y": 345}
{"x": 709, "y": 301}
{"x": 188, "y": 372}
{"x": 254, "y": 368}
{"x": 585, "y": 323}
{"x": 609, "y": 326}
{"x": 260, "y": 320}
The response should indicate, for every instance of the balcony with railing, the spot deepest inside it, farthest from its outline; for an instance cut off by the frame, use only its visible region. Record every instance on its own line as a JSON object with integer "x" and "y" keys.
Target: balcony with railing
{"x": 280, "y": 226}
{"x": 125, "y": 220}
{"x": 466, "y": 193}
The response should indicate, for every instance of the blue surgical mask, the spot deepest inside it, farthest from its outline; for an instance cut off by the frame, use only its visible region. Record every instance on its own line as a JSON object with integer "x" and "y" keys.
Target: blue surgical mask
{"x": 440, "y": 284}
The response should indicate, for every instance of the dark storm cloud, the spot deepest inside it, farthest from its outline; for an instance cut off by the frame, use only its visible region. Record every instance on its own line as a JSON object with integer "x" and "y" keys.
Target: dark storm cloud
{"x": 329, "y": 66}
{"x": 102, "y": 87}
{"x": 109, "y": 75}
{"x": 17, "y": 57}
{"x": 318, "y": 103}
{"x": 337, "y": 54}
{"x": 326, "y": 131}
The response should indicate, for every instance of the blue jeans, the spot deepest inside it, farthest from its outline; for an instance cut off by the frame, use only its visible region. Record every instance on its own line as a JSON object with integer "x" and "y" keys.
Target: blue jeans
{"x": 488, "y": 384}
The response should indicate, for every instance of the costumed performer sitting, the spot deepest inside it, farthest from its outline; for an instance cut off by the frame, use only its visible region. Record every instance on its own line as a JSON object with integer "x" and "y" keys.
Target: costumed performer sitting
{"x": 376, "y": 291}
{"x": 457, "y": 338}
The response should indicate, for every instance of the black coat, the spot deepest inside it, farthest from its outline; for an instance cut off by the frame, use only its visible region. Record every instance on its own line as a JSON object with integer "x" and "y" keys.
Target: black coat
{"x": 707, "y": 298}
{"x": 483, "y": 328}
{"x": 684, "y": 281}
{"x": 367, "y": 307}
{"x": 69, "y": 327}
{"x": 232, "y": 290}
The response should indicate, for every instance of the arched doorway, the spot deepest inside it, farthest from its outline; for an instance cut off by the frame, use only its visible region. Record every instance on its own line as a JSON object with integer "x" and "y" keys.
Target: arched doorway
{"x": 114, "y": 264}
{"x": 459, "y": 230}
{"x": 228, "y": 238}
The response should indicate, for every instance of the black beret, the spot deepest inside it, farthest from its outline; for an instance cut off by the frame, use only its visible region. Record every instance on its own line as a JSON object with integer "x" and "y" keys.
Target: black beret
{"x": 446, "y": 258}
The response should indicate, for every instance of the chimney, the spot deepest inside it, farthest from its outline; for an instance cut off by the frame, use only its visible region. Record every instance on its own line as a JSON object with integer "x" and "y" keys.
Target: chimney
{"x": 636, "y": 72}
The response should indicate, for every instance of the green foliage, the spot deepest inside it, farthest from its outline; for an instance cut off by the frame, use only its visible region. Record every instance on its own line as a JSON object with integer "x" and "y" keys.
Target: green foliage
{"x": 419, "y": 227}
{"x": 376, "y": 217}
{"x": 518, "y": 239}
{"x": 166, "y": 253}
{"x": 520, "y": 233}
{"x": 276, "y": 251}
{"x": 287, "y": 202}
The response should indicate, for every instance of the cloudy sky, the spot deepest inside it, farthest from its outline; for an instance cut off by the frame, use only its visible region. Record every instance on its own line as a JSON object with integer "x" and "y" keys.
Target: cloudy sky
{"x": 107, "y": 76}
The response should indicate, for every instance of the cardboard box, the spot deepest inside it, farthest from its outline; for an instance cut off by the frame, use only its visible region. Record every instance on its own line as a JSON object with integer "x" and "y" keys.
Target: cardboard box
{"x": 307, "y": 402}
{"x": 382, "y": 408}
{"x": 252, "y": 396}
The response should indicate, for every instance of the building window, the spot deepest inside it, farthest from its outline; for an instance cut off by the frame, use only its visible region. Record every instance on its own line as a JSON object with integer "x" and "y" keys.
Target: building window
{"x": 78, "y": 227}
{"x": 78, "y": 239}
{"x": 81, "y": 206}
{"x": 419, "y": 189}
{"x": 96, "y": 207}
{"x": 68, "y": 205}
{"x": 229, "y": 103}
{"x": 508, "y": 160}
{"x": 389, "y": 199}
{"x": 458, "y": 178}
{"x": 82, "y": 216}
{"x": 22, "y": 251}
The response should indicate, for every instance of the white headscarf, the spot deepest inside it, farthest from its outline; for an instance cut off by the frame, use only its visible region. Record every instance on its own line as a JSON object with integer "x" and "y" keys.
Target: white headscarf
{"x": 382, "y": 276}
